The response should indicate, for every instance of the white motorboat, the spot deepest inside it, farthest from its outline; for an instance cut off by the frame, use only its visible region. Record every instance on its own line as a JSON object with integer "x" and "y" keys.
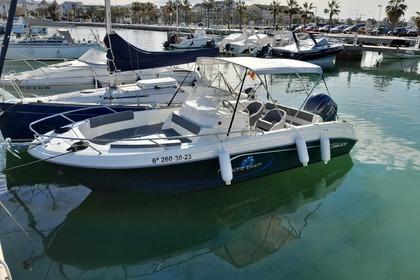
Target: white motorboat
{"x": 305, "y": 46}
{"x": 197, "y": 40}
{"x": 233, "y": 37}
{"x": 247, "y": 45}
{"x": 226, "y": 132}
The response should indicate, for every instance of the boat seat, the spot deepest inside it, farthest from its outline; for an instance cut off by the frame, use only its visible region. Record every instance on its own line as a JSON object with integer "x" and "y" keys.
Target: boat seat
{"x": 185, "y": 124}
{"x": 273, "y": 119}
{"x": 269, "y": 106}
{"x": 294, "y": 116}
{"x": 255, "y": 110}
{"x": 111, "y": 118}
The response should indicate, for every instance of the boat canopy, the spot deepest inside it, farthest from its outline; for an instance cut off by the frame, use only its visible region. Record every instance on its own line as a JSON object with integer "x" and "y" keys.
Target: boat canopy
{"x": 265, "y": 66}
{"x": 123, "y": 56}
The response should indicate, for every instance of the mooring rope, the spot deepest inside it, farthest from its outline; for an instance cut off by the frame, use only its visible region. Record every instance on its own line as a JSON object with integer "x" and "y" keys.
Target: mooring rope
{"x": 33, "y": 162}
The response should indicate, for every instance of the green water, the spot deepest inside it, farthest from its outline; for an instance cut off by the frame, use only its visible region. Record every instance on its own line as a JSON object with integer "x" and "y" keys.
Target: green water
{"x": 353, "y": 218}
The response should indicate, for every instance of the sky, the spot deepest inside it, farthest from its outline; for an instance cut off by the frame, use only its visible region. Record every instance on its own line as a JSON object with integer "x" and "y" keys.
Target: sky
{"x": 349, "y": 9}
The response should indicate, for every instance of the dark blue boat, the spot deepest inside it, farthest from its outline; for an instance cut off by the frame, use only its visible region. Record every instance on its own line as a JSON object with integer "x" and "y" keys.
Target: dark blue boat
{"x": 129, "y": 57}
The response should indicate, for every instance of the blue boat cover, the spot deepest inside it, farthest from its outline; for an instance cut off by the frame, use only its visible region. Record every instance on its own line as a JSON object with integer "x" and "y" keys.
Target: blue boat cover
{"x": 123, "y": 56}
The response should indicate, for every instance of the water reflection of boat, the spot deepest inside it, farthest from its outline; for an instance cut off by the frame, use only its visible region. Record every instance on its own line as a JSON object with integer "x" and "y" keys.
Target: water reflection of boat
{"x": 24, "y": 170}
{"x": 241, "y": 224}
{"x": 392, "y": 68}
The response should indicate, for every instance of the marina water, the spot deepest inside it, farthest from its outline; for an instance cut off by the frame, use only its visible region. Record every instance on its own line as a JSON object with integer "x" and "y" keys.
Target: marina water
{"x": 353, "y": 218}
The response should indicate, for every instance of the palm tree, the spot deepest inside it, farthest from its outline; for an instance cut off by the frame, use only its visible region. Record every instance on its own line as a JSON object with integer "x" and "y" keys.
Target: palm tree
{"x": 240, "y": 9}
{"x": 292, "y": 9}
{"x": 149, "y": 10}
{"x": 333, "y": 9}
{"x": 54, "y": 11}
{"x": 42, "y": 9}
{"x": 307, "y": 13}
{"x": 187, "y": 11}
{"x": 168, "y": 11}
{"x": 394, "y": 10}
{"x": 218, "y": 10}
{"x": 208, "y": 5}
{"x": 136, "y": 7}
{"x": 275, "y": 11}
{"x": 229, "y": 4}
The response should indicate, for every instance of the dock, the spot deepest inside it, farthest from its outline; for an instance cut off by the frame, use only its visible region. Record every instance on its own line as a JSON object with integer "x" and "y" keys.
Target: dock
{"x": 354, "y": 44}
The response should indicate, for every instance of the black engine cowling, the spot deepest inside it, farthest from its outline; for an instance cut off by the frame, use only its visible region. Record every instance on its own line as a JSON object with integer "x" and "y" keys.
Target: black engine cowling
{"x": 322, "y": 105}
{"x": 264, "y": 52}
{"x": 210, "y": 44}
{"x": 172, "y": 39}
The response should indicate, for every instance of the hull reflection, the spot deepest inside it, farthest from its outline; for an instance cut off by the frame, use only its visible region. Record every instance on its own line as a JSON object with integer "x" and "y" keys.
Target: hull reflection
{"x": 241, "y": 224}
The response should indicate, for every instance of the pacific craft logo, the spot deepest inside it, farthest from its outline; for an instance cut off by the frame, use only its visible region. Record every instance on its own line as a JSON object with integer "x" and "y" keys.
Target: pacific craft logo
{"x": 248, "y": 163}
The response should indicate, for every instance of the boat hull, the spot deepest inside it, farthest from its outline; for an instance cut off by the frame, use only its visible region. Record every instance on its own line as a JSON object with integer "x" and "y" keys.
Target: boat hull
{"x": 203, "y": 174}
{"x": 48, "y": 52}
{"x": 304, "y": 56}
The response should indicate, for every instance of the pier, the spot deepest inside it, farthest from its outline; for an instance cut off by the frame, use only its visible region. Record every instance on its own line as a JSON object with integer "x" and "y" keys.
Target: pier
{"x": 354, "y": 44}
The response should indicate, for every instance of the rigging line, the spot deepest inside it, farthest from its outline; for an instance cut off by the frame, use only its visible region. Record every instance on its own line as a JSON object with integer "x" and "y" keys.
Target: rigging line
{"x": 27, "y": 235}
{"x": 33, "y": 162}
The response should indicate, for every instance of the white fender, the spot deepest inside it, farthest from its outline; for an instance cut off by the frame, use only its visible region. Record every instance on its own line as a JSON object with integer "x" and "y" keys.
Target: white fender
{"x": 225, "y": 166}
{"x": 302, "y": 150}
{"x": 325, "y": 149}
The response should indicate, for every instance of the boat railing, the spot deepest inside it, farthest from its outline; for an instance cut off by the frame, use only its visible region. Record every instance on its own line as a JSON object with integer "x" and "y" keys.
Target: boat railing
{"x": 65, "y": 116}
{"x": 154, "y": 141}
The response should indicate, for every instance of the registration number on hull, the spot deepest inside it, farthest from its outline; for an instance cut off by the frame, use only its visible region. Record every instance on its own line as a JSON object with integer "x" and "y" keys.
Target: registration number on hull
{"x": 171, "y": 158}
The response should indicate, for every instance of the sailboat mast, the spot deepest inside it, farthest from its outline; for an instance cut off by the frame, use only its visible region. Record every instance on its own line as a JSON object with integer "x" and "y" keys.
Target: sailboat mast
{"x": 108, "y": 16}
{"x": 8, "y": 31}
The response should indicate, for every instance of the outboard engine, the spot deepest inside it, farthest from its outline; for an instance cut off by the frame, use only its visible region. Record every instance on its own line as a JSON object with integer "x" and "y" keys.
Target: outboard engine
{"x": 210, "y": 44}
{"x": 265, "y": 50}
{"x": 170, "y": 41}
{"x": 322, "y": 105}
{"x": 228, "y": 47}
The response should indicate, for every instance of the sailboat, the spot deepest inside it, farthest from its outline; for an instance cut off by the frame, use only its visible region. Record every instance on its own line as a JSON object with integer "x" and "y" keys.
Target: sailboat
{"x": 31, "y": 41}
{"x": 16, "y": 114}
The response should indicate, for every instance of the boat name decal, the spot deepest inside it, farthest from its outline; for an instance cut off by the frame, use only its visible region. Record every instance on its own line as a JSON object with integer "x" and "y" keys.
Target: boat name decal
{"x": 171, "y": 158}
{"x": 34, "y": 87}
{"x": 338, "y": 145}
{"x": 247, "y": 164}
